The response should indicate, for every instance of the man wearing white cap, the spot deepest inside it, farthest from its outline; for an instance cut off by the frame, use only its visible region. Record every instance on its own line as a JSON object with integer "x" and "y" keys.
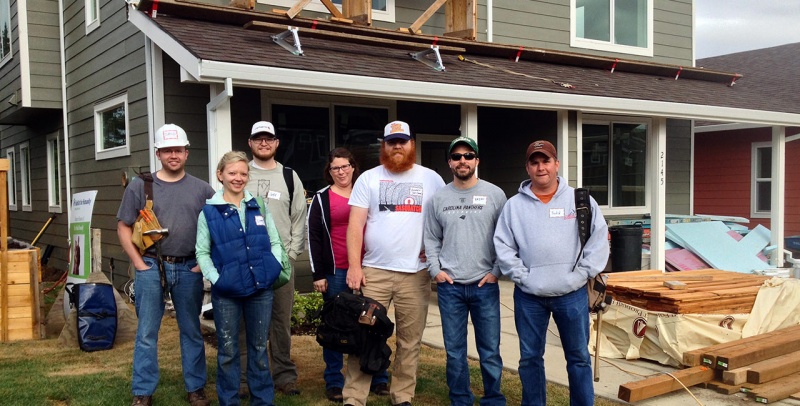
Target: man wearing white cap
{"x": 388, "y": 200}
{"x": 283, "y": 193}
{"x": 178, "y": 198}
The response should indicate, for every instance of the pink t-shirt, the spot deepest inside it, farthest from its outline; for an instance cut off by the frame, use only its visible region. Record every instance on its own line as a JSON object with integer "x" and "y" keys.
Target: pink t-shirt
{"x": 340, "y": 216}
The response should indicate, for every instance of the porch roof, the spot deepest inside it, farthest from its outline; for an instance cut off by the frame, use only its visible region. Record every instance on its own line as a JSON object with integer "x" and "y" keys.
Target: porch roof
{"x": 213, "y": 51}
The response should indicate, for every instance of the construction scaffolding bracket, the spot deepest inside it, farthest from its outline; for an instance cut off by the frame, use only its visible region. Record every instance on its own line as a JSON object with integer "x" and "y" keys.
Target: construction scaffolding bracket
{"x": 421, "y": 56}
{"x": 280, "y": 39}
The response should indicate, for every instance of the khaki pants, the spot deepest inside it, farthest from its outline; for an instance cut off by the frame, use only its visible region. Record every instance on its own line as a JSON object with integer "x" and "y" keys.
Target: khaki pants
{"x": 410, "y": 293}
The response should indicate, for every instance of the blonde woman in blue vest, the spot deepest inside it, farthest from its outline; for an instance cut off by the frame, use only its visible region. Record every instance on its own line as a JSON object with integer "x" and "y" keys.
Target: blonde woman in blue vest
{"x": 240, "y": 252}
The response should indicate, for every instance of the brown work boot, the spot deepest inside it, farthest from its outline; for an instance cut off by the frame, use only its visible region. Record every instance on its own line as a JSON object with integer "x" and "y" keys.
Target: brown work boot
{"x": 141, "y": 400}
{"x": 380, "y": 389}
{"x": 289, "y": 389}
{"x": 198, "y": 398}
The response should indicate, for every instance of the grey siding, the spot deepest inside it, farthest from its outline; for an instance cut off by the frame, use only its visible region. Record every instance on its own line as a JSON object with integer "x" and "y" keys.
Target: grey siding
{"x": 45, "y": 58}
{"x": 679, "y": 159}
{"x": 10, "y": 72}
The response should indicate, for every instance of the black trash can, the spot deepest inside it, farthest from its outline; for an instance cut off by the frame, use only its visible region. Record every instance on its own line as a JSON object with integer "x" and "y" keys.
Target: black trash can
{"x": 626, "y": 248}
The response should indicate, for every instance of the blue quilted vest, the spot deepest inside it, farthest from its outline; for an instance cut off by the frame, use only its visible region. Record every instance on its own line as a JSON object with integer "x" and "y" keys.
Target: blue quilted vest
{"x": 242, "y": 258}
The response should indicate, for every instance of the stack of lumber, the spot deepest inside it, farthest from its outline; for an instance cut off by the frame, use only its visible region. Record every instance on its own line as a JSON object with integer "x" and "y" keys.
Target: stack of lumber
{"x": 705, "y": 291}
{"x": 765, "y": 366}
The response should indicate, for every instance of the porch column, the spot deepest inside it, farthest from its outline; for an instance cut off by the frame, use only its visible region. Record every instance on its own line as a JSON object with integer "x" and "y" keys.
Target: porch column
{"x": 658, "y": 158}
{"x": 469, "y": 123}
{"x": 563, "y": 147}
{"x": 778, "y": 187}
{"x": 218, "y": 117}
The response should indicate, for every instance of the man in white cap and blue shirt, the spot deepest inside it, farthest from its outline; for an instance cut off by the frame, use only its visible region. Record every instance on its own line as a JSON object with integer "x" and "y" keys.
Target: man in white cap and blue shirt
{"x": 178, "y": 198}
{"x": 270, "y": 180}
{"x": 459, "y": 226}
{"x": 386, "y": 216}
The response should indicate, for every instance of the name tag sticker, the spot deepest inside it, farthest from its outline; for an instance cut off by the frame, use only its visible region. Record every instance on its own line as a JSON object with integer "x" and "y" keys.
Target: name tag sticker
{"x": 479, "y": 200}
{"x": 260, "y": 220}
{"x": 556, "y": 213}
{"x": 274, "y": 195}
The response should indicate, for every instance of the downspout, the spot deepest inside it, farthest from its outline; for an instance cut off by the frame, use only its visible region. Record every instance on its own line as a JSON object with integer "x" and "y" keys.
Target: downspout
{"x": 65, "y": 124}
{"x": 489, "y": 20}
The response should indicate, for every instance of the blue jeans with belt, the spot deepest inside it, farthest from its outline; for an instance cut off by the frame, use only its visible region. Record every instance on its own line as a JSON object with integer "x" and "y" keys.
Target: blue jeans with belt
{"x": 571, "y": 314}
{"x": 334, "y": 361}
{"x": 456, "y": 303}
{"x": 186, "y": 288}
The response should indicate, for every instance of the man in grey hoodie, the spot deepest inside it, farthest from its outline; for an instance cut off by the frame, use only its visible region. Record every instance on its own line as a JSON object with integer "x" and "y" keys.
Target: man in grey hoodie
{"x": 537, "y": 246}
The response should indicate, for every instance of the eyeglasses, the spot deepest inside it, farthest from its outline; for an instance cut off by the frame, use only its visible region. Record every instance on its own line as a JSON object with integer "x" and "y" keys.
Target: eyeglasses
{"x": 264, "y": 140}
{"x": 468, "y": 156}
{"x": 343, "y": 168}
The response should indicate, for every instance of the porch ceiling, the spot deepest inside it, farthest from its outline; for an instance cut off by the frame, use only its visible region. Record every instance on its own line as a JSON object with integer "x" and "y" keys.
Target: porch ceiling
{"x": 212, "y": 51}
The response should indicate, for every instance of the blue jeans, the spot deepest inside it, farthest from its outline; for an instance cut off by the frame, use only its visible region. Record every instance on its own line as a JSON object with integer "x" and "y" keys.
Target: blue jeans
{"x": 256, "y": 311}
{"x": 571, "y": 314}
{"x": 334, "y": 360}
{"x": 186, "y": 288}
{"x": 456, "y": 302}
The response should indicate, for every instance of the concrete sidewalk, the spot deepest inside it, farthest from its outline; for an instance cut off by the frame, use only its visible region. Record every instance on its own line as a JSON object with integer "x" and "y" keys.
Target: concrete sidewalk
{"x": 613, "y": 372}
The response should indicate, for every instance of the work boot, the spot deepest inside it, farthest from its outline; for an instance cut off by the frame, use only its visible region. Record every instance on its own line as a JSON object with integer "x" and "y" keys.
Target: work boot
{"x": 142, "y": 400}
{"x": 198, "y": 398}
{"x": 334, "y": 394}
{"x": 380, "y": 389}
{"x": 289, "y": 389}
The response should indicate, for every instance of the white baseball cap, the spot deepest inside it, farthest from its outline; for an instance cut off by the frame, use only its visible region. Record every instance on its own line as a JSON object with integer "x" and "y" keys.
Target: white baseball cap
{"x": 397, "y": 129}
{"x": 262, "y": 127}
{"x": 170, "y": 135}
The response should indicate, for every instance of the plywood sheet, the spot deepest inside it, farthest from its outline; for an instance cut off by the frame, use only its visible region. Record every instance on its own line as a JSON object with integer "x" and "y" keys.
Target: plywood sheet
{"x": 709, "y": 241}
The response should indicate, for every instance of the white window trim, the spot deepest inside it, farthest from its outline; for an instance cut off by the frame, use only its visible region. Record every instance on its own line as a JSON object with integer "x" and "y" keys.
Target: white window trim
{"x": 53, "y": 157}
{"x": 12, "y": 179}
{"x": 754, "y": 213}
{"x": 91, "y": 24}
{"x": 576, "y": 42}
{"x": 315, "y": 5}
{"x": 125, "y": 150}
{"x": 10, "y": 55}
{"x": 649, "y": 167}
{"x": 25, "y": 176}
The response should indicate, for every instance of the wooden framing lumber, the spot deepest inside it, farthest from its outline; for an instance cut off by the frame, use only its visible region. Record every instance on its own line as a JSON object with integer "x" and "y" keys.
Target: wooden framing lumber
{"x": 778, "y": 389}
{"x": 736, "y": 376}
{"x": 695, "y": 357}
{"x": 774, "y": 368}
{"x": 4, "y": 167}
{"x": 360, "y": 11}
{"x": 769, "y": 348}
{"x": 661, "y": 384}
{"x": 422, "y": 19}
{"x": 352, "y": 38}
{"x": 461, "y": 19}
{"x": 675, "y": 285}
{"x": 297, "y": 8}
{"x": 333, "y": 10}
{"x": 723, "y": 387}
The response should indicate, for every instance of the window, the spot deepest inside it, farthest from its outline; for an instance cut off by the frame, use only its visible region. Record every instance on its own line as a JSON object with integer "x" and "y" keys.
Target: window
{"x": 382, "y": 10}
{"x": 761, "y": 200}
{"x": 12, "y": 179}
{"x": 614, "y": 162}
{"x": 5, "y": 31}
{"x": 53, "y": 174}
{"x": 111, "y": 128}
{"x": 25, "y": 175}
{"x": 92, "y": 9}
{"x": 624, "y": 26}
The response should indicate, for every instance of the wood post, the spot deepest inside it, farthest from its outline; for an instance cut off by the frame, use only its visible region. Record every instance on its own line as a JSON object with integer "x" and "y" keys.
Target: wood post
{"x": 360, "y": 11}
{"x": 4, "y": 167}
{"x": 461, "y": 19}
{"x": 97, "y": 257}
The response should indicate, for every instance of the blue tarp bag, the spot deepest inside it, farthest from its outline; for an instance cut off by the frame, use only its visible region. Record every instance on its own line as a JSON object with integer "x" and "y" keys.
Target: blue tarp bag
{"x": 97, "y": 315}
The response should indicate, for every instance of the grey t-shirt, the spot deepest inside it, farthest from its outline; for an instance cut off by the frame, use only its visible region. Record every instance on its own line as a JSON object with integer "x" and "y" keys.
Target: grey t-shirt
{"x": 459, "y": 230}
{"x": 176, "y": 204}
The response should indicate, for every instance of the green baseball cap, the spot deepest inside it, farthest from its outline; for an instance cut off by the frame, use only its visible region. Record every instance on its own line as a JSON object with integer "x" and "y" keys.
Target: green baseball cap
{"x": 463, "y": 140}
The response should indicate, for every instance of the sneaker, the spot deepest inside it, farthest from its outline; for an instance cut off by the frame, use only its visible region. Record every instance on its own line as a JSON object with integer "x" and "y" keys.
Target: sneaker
{"x": 380, "y": 389}
{"x": 198, "y": 398}
{"x": 142, "y": 401}
{"x": 290, "y": 389}
{"x": 334, "y": 394}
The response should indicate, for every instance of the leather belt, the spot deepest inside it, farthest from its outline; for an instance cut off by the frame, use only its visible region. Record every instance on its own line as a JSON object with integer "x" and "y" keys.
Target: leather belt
{"x": 170, "y": 259}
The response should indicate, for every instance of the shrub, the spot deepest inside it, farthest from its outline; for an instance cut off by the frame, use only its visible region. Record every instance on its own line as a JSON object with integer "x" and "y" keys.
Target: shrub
{"x": 305, "y": 313}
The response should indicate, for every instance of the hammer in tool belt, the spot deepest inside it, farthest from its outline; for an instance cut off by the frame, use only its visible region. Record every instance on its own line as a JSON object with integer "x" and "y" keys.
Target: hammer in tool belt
{"x": 158, "y": 235}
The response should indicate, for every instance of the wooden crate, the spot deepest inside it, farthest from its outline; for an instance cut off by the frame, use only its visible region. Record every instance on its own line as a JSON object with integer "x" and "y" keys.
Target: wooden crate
{"x": 19, "y": 296}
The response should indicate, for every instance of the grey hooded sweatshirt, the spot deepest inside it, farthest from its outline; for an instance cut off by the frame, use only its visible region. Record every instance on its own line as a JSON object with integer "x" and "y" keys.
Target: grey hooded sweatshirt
{"x": 537, "y": 243}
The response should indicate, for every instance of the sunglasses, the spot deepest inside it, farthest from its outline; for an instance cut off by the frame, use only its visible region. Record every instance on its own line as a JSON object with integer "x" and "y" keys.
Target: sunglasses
{"x": 468, "y": 156}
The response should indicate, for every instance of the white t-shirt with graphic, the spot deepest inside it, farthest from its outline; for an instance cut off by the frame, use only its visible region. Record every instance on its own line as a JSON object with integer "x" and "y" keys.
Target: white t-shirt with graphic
{"x": 393, "y": 236}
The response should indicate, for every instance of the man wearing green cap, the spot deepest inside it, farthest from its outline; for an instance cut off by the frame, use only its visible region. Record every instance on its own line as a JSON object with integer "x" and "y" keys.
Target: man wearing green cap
{"x": 459, "y": 225}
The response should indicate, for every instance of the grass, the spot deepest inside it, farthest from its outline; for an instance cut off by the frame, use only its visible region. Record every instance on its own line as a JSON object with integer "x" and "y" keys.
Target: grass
{"x": 42, "y": 372}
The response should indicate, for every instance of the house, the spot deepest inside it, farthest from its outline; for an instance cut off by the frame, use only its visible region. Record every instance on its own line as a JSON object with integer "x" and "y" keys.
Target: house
{"x": 736, "y": 163}
{"x": 613, "y": 88}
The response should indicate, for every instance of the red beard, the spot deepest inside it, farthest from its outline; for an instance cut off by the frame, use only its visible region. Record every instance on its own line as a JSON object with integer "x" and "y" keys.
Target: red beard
{"x": 396, "y": 164}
